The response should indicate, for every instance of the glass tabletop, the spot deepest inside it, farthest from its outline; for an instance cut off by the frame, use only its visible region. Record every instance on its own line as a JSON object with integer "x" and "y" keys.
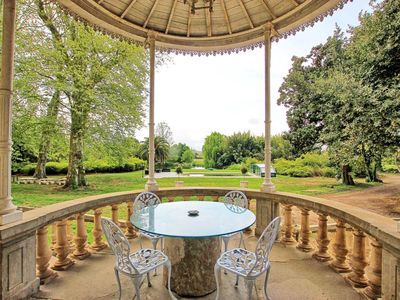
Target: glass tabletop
{"x": 173, "y": 220}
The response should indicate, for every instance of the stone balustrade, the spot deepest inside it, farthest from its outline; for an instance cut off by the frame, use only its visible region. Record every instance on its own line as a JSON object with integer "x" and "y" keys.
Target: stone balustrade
{"x": 376, "y": 274}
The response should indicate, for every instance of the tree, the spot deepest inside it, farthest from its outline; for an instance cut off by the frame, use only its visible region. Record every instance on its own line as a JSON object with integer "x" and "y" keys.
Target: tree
{"x": 102, "y": 81}
{"x": 161, "y": 148}
{"x": 213, "y": 149}
{"x": 188, "y": 156}
{"x": 177, "y": 151}
{"x": 163, "y": 130}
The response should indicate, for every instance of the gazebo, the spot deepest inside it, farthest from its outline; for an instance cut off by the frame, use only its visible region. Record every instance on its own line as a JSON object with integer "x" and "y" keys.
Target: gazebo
{"x": 189, "y": 27}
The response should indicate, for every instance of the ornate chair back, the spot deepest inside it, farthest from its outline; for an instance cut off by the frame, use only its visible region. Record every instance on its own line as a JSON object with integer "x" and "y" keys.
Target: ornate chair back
{"x": 236, "y": 201}
{"x": 146, "y": 199}
{"x": 264, "y": 245}
{"x": 119, "y": 245}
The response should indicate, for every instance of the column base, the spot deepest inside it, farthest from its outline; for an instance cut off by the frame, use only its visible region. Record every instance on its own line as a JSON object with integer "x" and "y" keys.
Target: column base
{"x": 267, "y": 187}
{"x": 151, "y": 186}
{"x": 356, "y": 281}
{"x": 322, "y": 257}
{"x": 11, "y": 217}
{"x": 340, "y": 268}
{"x": 48, "y": 277}
{"x": 81, "y": 256}
{"x": 64, "y": 265}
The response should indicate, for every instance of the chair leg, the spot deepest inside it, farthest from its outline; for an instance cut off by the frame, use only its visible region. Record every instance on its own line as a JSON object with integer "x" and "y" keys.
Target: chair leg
{"x": 140, "y": 241}
{"x": 237, "y": 281}
{"x": 217, "y": 274}
{"x": 249, "y": 285}
{"x": 242, "y": 241}
{"x": 168, "y": 264}
{"x": 136, "y": 283}
{"x": 118, "y": 282}
{"x": 265, "y": 283}
{"x": 226, "y": 241}
{"x": 148, "y": 280}
{"x": 154, "y": 242}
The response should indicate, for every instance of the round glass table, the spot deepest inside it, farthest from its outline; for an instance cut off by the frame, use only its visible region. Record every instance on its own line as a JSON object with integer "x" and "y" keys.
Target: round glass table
{"x": 192, "y": 240}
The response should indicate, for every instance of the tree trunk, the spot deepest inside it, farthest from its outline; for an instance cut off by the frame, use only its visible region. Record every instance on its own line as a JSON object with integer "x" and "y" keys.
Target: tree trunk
{"x": 346, "y": 177}
{"x": 47, "y": 134}
{"x": 76, "y": 171}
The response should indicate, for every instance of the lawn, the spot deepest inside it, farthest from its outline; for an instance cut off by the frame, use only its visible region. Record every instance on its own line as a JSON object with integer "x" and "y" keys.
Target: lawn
{"x": 33, "y": 195}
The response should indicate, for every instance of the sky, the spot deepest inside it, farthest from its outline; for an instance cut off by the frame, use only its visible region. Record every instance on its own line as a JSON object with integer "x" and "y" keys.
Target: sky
{"x": 198, "y": 95}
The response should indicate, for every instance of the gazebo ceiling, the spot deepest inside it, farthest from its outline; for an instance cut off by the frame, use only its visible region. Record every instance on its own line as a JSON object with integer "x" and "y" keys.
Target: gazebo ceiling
{"x": 232, "y": 25}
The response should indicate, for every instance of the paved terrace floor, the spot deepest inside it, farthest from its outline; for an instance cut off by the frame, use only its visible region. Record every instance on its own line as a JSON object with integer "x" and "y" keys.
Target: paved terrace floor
{"x": 294, "y": 276}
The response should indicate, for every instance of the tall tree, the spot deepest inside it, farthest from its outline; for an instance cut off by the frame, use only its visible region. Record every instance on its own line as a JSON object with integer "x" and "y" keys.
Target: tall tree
{"x": 213, "y": 149}
{"x": 161, "y": 150}
{"x": 102, "y": 81}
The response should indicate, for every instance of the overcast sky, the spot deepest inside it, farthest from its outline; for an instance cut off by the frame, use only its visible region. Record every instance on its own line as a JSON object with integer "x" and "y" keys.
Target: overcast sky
{"x": 198, "y": 95}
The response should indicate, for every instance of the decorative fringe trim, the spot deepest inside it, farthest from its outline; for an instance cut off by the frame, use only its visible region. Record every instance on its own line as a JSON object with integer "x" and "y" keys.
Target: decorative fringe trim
{"x": 169, "y": 50}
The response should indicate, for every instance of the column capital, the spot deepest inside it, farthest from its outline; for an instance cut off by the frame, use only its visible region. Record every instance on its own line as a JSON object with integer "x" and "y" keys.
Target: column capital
{"x": 151, "y": 38}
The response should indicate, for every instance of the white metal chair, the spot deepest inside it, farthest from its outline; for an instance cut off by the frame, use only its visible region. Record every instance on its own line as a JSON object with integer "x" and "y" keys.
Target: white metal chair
{"x": 147, "y": 199}
{"x": 237, "y": 202}
{"x": 134, "y": 265}
{"x": 247, "y": 264}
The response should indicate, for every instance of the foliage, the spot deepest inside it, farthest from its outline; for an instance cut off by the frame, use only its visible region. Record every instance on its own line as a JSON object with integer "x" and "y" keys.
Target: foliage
{"x": 243, "y": 169}
{"x": 179, "y": 170}
{"x": 213, "y": 149}
{"x": 161, "y": 148}
{"x": 177, "y": 151}
{"x": 307, "y": 165}
{"x": 92, "y": 166}
{"x": 345, "y": 94}
{"x": 188, "y": 156}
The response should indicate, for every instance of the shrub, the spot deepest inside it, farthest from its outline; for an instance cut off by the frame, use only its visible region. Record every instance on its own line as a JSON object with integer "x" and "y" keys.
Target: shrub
{"x": 309, "y": 164}
{"x": 198, "y": 162}
{"x": 243, "y": 169}
{"x": 329, "y": 172}
{"x": 389, "y": 168}
{"x": 234, "y": 167}
{"x": 305, "y": 171}
{"x": 54, "y": 168}
{"x": 28, "y": 169}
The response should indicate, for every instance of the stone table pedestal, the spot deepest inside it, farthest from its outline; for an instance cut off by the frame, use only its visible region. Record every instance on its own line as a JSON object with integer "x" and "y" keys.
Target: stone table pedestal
{"x": 192, "y": 261}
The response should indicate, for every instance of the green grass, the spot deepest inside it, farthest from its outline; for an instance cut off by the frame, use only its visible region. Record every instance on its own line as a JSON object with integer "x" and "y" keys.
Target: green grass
{"x": 33, "y": 195}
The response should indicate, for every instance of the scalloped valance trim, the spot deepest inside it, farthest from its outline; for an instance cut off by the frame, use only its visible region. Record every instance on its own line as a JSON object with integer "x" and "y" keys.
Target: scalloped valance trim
{"x": 202, "y": 52}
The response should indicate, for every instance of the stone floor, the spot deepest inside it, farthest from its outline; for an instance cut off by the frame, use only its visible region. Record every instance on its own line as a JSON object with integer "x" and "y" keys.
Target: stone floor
{"x": 294, "y": 276}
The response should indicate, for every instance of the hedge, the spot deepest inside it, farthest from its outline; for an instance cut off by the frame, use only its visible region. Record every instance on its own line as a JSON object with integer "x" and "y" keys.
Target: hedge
{"x": 93, "y": 166}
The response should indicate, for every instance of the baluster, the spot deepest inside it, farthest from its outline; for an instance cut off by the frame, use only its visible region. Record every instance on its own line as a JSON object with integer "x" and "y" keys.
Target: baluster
{"x": 53, "y": 238}
{"x": 201, "y": 198}
{"x": 130, "y": 232}
{"x": 98, "y": 244}
{"x": 305, "y": 232}
{"x": 81, "y": 251}
{"x": 374, "y": 288}
{"x": 186, "y": 198}
{"x": 215, "y": 198}
{"x": 339, "y": 263}
{"x": 70, "y": 234}
{"x": 43, "y": 255}
{"x": 114, "y": 214}
{"x": 170, "y": 199}
{"x": 358, "y": 261}
{"x": 322, "y": 239}
{"x": 287, "y": 237}
{"x": 61, "y": 248}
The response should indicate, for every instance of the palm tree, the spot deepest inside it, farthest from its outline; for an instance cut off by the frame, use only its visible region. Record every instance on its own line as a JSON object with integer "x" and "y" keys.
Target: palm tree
{"x": 161, "y": 147}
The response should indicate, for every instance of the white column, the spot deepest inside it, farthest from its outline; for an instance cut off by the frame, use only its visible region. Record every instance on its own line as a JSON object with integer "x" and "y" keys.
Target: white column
{"x": 151, "y": 184}
{"x": 267, "y": 185}
{"x": 8, "y": 212}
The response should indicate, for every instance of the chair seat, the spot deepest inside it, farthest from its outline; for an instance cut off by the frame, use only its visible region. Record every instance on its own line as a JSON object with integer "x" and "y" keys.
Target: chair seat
{"x": 239, "y": 261}
{"x": 144, "y": 261}
{"x": 150, "y": 235}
